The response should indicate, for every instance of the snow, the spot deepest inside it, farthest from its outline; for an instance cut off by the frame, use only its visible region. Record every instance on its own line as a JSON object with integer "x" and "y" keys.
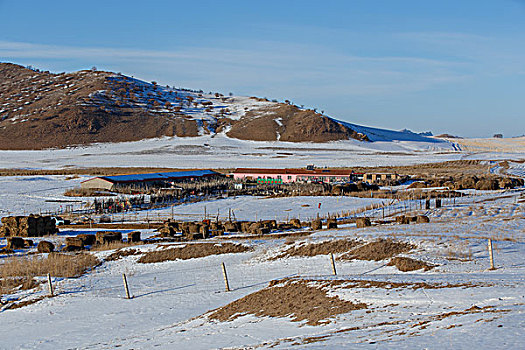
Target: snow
{"x": 262, "y": 208}
{"x": 170, "y": 298}
{"x": 212, "y": 151}
{"x": 23, "y": 195}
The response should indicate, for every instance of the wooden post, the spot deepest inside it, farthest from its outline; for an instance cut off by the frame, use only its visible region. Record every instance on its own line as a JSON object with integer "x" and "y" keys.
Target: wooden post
{"x": 334, "y": 271}
{"x": 225, "y": 275}
{"x": 50, "y": 285}
{"x": 491, "y": 255}
{"x": 124, "y": 279}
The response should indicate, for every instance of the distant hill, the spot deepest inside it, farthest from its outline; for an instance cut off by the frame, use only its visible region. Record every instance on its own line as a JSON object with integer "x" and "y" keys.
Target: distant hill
{"x": 45, "y": 110}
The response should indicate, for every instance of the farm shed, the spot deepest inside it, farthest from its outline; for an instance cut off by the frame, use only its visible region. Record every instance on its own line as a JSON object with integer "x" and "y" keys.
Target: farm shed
{"x": 277, "y": 176}
{"x": 148, "y": 179}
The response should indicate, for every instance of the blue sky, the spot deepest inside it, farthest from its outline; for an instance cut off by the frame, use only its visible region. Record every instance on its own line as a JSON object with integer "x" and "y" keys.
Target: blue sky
{"x": 445, "y": 66}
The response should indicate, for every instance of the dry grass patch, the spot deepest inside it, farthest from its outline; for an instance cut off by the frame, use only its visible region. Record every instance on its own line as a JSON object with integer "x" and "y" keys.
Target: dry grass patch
{"x": 20, "y": 304}
{"x": 299, "y": 299}
{"x": 190, "y": 251}
{"x": 378, "y": 250}
{"x": 321, "y": 248}
{"x": 9, "y": 285}
{"x": 56, "y": 264}
{"x": 408, "y": 264}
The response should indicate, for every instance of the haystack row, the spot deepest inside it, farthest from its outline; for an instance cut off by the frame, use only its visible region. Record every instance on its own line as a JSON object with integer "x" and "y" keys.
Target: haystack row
{"x": 28, "y": 226}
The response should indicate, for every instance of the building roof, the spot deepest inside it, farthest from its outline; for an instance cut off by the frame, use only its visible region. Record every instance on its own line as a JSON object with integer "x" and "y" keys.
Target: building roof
{"x": 325, "y": 172}
{"x": 173, "y": 175}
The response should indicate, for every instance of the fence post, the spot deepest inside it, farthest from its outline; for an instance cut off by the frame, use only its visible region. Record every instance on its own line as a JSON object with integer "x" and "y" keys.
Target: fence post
{"x": 124, "y": 279}
{"x": 225, "y": 275}
{"x": 50, "y": 285}
{"x": 334, "y": 271}
{"x": 491, "y": 255}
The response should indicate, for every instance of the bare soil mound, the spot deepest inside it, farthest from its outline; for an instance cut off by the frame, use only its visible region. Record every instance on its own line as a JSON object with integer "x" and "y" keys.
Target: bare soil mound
{"x": 44, "y": 110}
{"x": 191, "y": 251}
{"x": 408, "y": 264}
{"x": 289, "y": 123}
{"x": 378, "y": 250}
{"x": 301, "y": 300}
{"x": 322, "y": 248}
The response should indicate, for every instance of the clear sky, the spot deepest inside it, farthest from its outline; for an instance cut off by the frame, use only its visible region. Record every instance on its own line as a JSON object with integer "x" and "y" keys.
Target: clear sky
{"x": 444, "y": 66}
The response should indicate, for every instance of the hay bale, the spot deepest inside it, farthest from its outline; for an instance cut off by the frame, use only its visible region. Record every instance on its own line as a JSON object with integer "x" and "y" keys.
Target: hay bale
{"x": 284, "y": 226}
{"x": 87, "y": 239}
{"x": 316, "y": 224}
{"x": 254, "y": 228}
{"x": 185, "y": 228}
{"x": 15, "y": 243}
{"x": 104, "y": 237}
{"x": 417, "y": 184}
{"x": 193, "y": 227}
{"x": 296, "y": 223}
{"x": 362, "y": 222}
{"x": 331, "y": 223}
{"x": 403, "y": 220}
{"x": 468, "y": 182}
{"x": 45, "y": 247}
{"x": 28, "y": 226}
{"x": 487, "y": 185}
{"x": 420, "y": 219}
{"x": 231, "y": 227}
{"x": 245, "y": 226}
{"x": 269, "y": 224}
{"x": 134, "y": 236}
{"x": 74, "y": 243}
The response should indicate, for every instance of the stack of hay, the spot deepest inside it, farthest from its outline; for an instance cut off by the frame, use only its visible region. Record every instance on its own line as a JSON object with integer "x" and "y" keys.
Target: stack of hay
{"x": 28, "y": 226}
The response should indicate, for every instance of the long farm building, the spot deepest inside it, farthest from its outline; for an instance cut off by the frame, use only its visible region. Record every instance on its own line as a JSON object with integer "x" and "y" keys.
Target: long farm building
{"x": 148, "y": 179}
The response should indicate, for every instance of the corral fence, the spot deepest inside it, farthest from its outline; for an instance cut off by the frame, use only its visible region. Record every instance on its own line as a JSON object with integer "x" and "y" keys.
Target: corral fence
{"x": 385, "y": 209}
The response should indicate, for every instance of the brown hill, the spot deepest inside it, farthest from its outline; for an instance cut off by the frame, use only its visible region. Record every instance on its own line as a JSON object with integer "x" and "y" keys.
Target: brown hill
{"x": 44, "y": 110}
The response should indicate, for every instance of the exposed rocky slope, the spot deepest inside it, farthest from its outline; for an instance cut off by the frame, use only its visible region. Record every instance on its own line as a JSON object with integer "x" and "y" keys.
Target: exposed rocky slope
{"x": 42, "y": 110}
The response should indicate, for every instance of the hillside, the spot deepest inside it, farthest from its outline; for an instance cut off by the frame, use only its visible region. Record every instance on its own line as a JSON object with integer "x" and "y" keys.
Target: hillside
{"x": 44, "y": 110}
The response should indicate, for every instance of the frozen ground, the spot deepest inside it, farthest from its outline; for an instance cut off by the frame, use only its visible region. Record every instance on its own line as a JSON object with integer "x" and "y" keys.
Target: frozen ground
{"x": 220, "y": 151}
{"x": 261, "y": 208}
{"x": 24, "y": 195}
{"x": 476, "y": 308}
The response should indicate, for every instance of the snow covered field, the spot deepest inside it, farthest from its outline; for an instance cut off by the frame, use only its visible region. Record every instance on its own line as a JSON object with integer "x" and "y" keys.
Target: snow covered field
{"x": 261, "y": 208}
{"x": 457, "y": 304}
{"x": 462, "y": 306}
{"x": 24, "y": 195}
{"x": 222, "y": 152}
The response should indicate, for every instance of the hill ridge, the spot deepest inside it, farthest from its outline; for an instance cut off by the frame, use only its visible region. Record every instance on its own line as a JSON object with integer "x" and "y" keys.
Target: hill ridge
{"x": 45, "y": 110}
